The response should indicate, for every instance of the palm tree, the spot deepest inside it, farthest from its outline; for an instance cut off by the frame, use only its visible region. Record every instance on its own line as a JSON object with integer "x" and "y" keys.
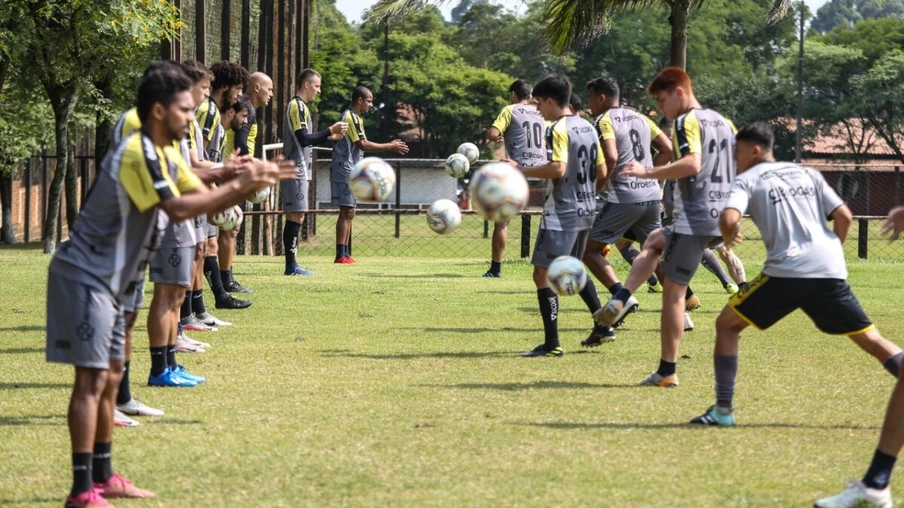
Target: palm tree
{"x": 570, "y": 23}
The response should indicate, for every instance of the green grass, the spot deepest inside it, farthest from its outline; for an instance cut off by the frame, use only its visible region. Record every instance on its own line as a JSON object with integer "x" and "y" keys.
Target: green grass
{"x": 393, "y": 382}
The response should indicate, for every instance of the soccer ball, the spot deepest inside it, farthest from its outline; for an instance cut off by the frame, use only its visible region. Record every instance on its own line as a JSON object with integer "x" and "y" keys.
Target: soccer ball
{"x": 443, "y": 216}
{"x": 470, "y": 151}
{"x": 566, "y": 276}
{"x": 234, "y": 221}
{"x": 218, "y": 219}
{"x": 457, "y": 165}
{"x": 259, "y": 196}
{"x": 372, "y": 180}
{"x": 498, "y": 192}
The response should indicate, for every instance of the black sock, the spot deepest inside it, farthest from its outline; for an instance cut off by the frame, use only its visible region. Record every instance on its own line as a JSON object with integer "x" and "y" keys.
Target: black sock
{"x": 340, "y": 250}
{"x": 290, "y": 242}
{"x": 590, "y": 297}
{"x": 226, "y": 276}
{"x": 158, "y": 360}
{"x": 614, "y": 288}
{"x": 185, "y": 310}
{"x": 81, "y": 473}
{"x": 726, "y": 373}
{"x": 622, "y": 295}
{"x": 495, "y": 268}
{"x": 197, "y": 302}
{"x": 125, "y": 390}
{"x": 879, "y": 472}
{"x": 549, "y": 309}
{"x": 629, "y": 253}
{"x": 102, "y": 466}
{"x": 653, "y": 280}
{"x": 689, "y": 293}
{"x": 666, "y": 368}
{"x": 346, "y": 251}
{"x": 171, "y": 356}
{"x": 712, "y": 264}
{"x": 212, "y": 272}
{"x": 893, "y": 364}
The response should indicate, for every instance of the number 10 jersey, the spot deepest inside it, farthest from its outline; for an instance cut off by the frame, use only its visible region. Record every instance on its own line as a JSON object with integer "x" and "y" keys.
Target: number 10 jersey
{"x": 523, "y": 128}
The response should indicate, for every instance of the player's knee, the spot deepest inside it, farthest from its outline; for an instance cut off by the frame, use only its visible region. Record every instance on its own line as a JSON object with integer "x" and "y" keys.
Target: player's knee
{"x": 540, "y": 277}
{"x": 655, "y": 242}
{"x": 90, "y": 382}
{"x": 729, "y": 322}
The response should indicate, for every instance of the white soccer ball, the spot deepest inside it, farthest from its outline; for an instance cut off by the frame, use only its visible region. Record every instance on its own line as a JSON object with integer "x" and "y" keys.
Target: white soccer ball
{"x": 443, "y": 216}
{"x": 566, "y": 276}
{"x": 372, "y": 180}
{"x": 234, "y": 221}
{"x": 470, "y": 151}
{"x": 457, "y": 165}
{"x": 219, "y": 219}
{"x": 259, "y": 196}
{"x": 499, "y": 192}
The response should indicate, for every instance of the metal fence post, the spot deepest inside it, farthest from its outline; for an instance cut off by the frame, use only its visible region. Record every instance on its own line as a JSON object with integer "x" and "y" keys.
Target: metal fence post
{"x": 28, "y": 200}
{"x": 525, "y": 235}
{"x": 862, "y": 238}
{"x": 398, "y": 199}
{"x": 43, "y": 193}
{"x": 486, "y": 229}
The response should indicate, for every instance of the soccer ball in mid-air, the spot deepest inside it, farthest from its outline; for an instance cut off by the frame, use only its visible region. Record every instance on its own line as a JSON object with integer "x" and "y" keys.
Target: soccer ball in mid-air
{"x": 259, "y": 196}
{"x": 234, "y": 220}
{"x": 372, "y": 180}
{"x": 499, "y": 192}
{"x": 470, "y": 151}
{"x": 566, "y": 276}
{"x": 218, "y": 219}
{"x": 443, "y": 216}
{"x": 457, "y": 165}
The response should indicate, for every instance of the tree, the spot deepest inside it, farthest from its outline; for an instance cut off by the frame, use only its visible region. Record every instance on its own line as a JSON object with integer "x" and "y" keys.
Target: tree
{"x": 881, "y": 99}
{"x": 874, "y": 37}
{"x": 847, "y": 13}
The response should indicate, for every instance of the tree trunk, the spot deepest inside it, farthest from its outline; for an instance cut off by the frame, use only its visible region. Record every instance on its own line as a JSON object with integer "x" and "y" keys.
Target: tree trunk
{"x": 72, "y": 197}
{"x": 63, "y": 101}
{"x": 4, "y": 71}
{"x": 103, "y": 131}
{"x": 678, "y": 20}
{"x": 6, "y": 201}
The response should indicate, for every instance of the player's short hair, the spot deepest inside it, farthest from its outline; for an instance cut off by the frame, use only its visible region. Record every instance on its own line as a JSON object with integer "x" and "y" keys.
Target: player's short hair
{"x": 555, "y": 87}
{"x": 669, "y": 79}
{"x": 243, "y": 103}
{"x": 757, "y": 133}
{"x": 196, "y": 71}
{"x": 160, "y": 84}
{"x": 521, "y": 89}
{"x": 360, "y": 92}
{"x": 604, "y": 86}
{"x": 576, "y": 103}
{"x": 227, "y": 75}
{"x": 306, "y": 76}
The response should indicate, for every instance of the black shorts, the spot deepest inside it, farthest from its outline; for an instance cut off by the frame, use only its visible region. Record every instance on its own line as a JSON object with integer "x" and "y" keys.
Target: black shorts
{"x": 829, "y": 303}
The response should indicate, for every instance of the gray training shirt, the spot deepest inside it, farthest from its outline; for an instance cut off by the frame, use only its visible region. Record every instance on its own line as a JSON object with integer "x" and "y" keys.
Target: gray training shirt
{"x": 523, "y": 128}
{"x": 633, "y": 134}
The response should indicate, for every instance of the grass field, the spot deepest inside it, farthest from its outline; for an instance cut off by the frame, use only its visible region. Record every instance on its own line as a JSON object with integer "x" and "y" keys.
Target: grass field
{"x": 394, "y": 382}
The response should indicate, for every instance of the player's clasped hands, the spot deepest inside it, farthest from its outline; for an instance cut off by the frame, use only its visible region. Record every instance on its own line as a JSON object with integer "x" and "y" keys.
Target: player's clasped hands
{"x": 337, "y": 130}
{"x": 894, "y": 224}
{"x": 399, "y": 147}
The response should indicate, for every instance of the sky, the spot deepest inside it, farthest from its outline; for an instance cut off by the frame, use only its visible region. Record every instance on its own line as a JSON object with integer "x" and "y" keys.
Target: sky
{"x": 353, "y": 8}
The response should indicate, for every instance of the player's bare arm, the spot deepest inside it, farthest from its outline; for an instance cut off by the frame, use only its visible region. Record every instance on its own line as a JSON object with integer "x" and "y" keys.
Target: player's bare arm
{"x": 548, "y": 171}
{"x": 841, "y": 219}
{"x": 689, "y": 165}
{"x": 396, "y": 146}
{"x": 664, "y": 145}
{"x": 730, "y": 227}
{"x": 494, "y": 137}
{"x": 894, "y": 224}
{"x": 610, "y": 153}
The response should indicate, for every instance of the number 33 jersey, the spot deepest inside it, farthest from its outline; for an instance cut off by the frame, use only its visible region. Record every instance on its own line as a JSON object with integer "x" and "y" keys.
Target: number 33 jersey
{"x": 700, "y": 199}
{"x": 570, "y": 200}
{"x": 633, "y": 133}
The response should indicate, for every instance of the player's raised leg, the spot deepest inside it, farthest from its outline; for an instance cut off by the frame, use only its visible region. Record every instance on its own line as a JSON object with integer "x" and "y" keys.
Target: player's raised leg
{"x": 713, "y": 266}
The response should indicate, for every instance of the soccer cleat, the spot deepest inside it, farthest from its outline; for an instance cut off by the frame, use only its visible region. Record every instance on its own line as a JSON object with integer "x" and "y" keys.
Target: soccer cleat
{"x": 614, "y": 312}
{"x": 491, "y": 275}
{"x": 858, "y": 495}
{"x": 692, "y": 303}
{"x": 731, "y": 288}
{"x": 90, "y": 499}
{"x": 202, "y": 347}
{"x": 170, "y": 379}
{"x": 231, "y": 302}
{"x": 117, "y": 486}
{"x": 234, "y": 287}
{"x": 353, "y": 260}
{"x": 715, "y": 416}
{"x": 196, "y": 325}
{"x": 120, "y": 419}
{"x": 344, "y": 260}
{"x": 183, "y": 346}
{"x": 298, "y": 271}
{"x": 180, "y": 371}
{"x": 541, "y": 351}
{"x": 134, "y": 407}
{"x": 630, "y": 307}
{"x": 654, "y": 288}
{"x": 598, "y": 338}
{"x": 688, "y": 323}
{"x": 654, "y": 379}
{"x": 211, "y": 320}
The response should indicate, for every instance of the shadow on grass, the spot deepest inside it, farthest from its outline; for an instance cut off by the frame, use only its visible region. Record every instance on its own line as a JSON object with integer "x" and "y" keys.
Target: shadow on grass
{"x": 45, "y": 420}
{"x": 28, "y": 502}
{"x": 23, "y": 328}
{"x": 19, "y": 386}
{"x": 413, "y": 356}
{"x": 22, "y": 350}
{"x": 170, "y": 421}
{"x": 541, "y": 385}
{"x": 696, "y": 428}
{"x": 511, "y": 292}
{"x": 537, "y": 329}
{"x": 414, "y": 276}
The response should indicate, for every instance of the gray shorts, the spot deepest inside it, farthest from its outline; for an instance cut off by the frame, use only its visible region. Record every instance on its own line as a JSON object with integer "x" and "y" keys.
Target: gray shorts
{"x": 173, "y": 266}
{"x": 614, "y": 220}
{"x": 552, "y": 244}
{"x": 135, "y": 303}
{"x": 294, "y": 194}
{"x": 85, "y": 326}
{"x": 201, "y": 228}
{"x": 342, "y": 195}
{"x": 683, "y": 254}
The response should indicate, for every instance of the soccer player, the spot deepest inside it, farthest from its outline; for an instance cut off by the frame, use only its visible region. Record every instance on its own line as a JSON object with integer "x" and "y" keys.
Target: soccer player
{"x": 241, "y": 142}
{"x": 93, "y": 273}
{"x": 522, "y": 128}
{"x": 575, "y": 163}
{"x": 631, "y": 204}
{"x": 805, "y": 269}
{"x": 346, "y": 153}
{"x": 298, "y": 143}
{"x": 704, "y": 174}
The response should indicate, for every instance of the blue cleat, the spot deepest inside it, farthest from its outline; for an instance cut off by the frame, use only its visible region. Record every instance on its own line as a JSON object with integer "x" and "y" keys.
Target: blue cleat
{"x": 184, "y": 374}
{"x": 170, "y": 378}
{"x": 715, "y": 416}
{"x": 299, "y": 271}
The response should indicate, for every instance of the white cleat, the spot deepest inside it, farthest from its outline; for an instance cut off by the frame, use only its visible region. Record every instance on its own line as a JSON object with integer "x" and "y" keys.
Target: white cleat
{"x": 858, "y": 495}
{"x": 192, "y": 342}
{"x": 211, "y": 320}
{"x": 134, "y": 407}
{"x": 630, "y": 307}
{"x": 614, "y": 312}
{"x": 121, "y": 420}
{"x": 688, "y": 323}
{"x": 184, "y": 346}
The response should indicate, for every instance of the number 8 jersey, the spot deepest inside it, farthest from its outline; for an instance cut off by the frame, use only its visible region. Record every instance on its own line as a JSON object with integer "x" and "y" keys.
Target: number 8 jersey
{"x": 700, "y": 199}
{"x": 633, "y": 134}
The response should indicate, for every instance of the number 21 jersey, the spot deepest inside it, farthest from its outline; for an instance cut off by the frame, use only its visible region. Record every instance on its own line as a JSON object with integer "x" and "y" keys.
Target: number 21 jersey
{"x": 700, "y": 199}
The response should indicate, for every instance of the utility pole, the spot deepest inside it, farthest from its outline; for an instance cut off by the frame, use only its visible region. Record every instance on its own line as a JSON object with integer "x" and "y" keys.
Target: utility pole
{"x": 800, "y": 88}
{"x": 384, "y": 127}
